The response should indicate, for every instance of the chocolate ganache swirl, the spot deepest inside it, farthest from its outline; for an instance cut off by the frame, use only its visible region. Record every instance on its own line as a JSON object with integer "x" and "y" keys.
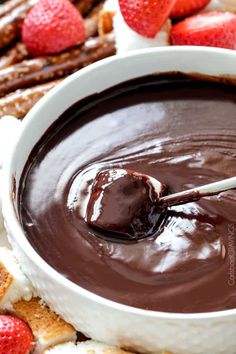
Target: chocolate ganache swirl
{"x": 181, "y": 131}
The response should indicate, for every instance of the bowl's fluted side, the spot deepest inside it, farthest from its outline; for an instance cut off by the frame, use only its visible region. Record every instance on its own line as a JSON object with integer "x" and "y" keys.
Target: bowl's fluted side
{"x": 142, "y": 333}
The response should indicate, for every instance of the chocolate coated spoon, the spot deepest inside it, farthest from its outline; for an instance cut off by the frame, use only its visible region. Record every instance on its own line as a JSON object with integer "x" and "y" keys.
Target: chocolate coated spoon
{"x": 128, "y": 206}
{"x": 195, "y": 194}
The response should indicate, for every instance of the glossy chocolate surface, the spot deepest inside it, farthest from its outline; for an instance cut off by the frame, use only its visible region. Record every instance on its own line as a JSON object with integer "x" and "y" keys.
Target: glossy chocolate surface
{"x": 177, "y": 130}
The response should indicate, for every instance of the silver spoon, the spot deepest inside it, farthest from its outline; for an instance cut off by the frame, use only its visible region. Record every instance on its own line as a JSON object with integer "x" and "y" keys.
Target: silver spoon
{"x": 197, "y": 193}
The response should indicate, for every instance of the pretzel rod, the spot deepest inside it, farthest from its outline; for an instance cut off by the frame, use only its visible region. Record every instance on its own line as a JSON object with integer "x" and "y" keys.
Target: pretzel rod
{"x": 9, "y": 5}
{"x": 36, "y": 71}
{"x": 10, "y": 25}
{"x": 91, "y": 21}
{"x": 13, "y": 56}
{"x": 20, "y": 102}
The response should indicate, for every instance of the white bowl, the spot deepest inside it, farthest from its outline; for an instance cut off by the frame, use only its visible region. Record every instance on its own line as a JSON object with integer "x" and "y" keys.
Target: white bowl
{"x": 99, "y": 318}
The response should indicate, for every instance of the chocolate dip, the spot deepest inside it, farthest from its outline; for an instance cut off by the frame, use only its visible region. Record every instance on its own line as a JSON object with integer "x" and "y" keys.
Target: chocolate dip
{"x": 178, "y": 130}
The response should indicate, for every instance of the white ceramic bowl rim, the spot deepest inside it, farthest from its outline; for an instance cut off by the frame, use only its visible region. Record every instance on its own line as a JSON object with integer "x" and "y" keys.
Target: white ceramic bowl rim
{"x": 14, "y": 224}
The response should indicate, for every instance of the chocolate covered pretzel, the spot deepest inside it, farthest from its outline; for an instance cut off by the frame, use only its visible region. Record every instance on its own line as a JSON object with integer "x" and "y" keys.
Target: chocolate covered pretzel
{"x": 10, "y": 25}
{"x": 14, "y": 55}
{"x": 9, "y": 5}
{"x": 84, "y": 6}
{"x": 35, "y": 71}
{"x": 92, "y": 20}
{"x": 19, "y": 103}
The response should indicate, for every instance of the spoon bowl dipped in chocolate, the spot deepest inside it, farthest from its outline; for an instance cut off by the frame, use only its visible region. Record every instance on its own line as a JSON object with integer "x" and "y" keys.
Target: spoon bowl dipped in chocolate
{"x": 129, "y": 206}
{"x": 124, "y": 204}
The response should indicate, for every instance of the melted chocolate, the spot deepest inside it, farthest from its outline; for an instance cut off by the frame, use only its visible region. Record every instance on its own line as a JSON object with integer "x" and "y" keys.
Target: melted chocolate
{"x": 180, "y": 131}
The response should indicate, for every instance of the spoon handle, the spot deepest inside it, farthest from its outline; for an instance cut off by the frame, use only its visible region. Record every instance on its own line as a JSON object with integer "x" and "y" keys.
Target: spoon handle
{"x": 197, "y": 193}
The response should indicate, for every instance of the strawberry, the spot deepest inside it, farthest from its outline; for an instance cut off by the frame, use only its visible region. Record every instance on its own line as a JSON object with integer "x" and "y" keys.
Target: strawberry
{"x": 184, "y": 8}
{"x": 212, "y": 29}
{"x": 15, "y": 336}
{"x": 52, "y": 26}
{"x": 146, "y": 17}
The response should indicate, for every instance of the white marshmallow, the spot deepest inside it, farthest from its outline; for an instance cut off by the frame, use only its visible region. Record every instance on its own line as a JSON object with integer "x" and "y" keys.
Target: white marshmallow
{"x": 111, "y": 5}
{"x": 20, "y": 287}
{"x": 66, "y": 348}
{"x": 87, "y": 347}
{"x": 128, "y": 40}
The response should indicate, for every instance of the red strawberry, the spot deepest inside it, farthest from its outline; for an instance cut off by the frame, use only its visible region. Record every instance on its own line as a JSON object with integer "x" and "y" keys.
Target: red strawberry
{"x": 184, "y": 8}
{"x": 15, "y": 336}
{"x": 52, "y": 26}
{"x": 213, "y": 29}
{"x": 146, "y": 17}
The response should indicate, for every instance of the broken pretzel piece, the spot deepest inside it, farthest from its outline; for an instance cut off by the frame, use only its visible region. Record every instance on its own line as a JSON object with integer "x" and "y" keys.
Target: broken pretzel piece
{"x": 19, "y": 103}
{"x": 14, "y": 55}
{"x": 10, "y": 25}
{"x": 84, "y": 6}
{"x": 105, "y": 22}
{"x": 9, "y": 5}
{"x": 92, "y": 20}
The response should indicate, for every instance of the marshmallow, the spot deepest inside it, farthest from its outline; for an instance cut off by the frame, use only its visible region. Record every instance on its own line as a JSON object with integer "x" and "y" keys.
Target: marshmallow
{"x": 128, "y": 40}
{"x": 111, "y": 5}
{"x": 14, "y": 285}
{"x": 87, "y": 347}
